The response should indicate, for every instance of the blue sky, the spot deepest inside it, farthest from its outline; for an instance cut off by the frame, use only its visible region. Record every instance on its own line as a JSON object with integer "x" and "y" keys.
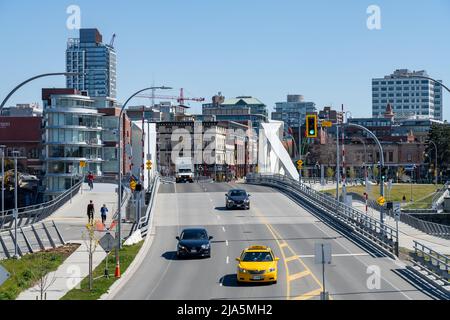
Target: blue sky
{"x": 267, "y": 49}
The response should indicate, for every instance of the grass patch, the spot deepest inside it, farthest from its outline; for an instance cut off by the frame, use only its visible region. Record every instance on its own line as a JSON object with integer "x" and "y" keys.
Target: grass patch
{"x": 102, "y": 284}
{"x": 422, "y": 193}
{"x": 25, "y": 271}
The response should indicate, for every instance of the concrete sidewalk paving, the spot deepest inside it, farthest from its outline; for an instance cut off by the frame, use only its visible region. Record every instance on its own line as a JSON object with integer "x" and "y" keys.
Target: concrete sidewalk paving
{"x": 408, "y": 234}
{"x": 69, "y": 274}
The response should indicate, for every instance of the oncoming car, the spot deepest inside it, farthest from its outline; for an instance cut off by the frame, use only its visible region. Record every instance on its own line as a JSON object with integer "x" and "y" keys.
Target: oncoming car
{"x": 257, "y": 264}
{"x": 237, "y": 198}
{"x": 194, "y": 242}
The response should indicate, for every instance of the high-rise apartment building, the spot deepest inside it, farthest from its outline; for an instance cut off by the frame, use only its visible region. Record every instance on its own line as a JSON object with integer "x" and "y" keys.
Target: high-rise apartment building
{"x": 409, "y": 95}
{"x": 96, "y": 63}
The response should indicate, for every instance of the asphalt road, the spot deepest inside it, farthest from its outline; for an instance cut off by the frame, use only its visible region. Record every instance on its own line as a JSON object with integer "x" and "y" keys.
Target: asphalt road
{"x": 273, "y": 220}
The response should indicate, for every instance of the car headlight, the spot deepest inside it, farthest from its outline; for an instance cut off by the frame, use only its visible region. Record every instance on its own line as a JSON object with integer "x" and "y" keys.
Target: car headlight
{"x": 181, "y": 247}
{"x": 230, "y": 201}
{"x": 205, "y": 246}
{"x": 247, "y": 200}
{"x": 241, "y": 270}
{"x": 272, "y": 269}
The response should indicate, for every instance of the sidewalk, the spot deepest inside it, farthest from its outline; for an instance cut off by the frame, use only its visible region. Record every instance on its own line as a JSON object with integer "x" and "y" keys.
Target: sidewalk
{"x": 408, "y": 234}
{"x": 74, "y": 269}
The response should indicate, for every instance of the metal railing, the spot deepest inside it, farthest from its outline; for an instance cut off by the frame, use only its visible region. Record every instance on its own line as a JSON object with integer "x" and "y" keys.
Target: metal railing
{"x": 32, "y": 214}
{"x": 431, "y": 228}
{"x": 143, "y": 223}
{"x": 438, "y": 196}
{"x": 377, "y": 233}
{"x": 433, "y": 262}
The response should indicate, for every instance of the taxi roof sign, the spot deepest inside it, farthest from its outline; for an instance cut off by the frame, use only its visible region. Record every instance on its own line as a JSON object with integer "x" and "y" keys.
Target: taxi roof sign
{"x": 258, "y": 248}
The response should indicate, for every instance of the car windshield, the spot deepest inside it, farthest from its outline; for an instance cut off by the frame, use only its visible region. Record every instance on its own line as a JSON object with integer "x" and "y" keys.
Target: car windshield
{"x": 260, "y": 256}
{"x": 184, "y": 170}
{"x": 237, "y": 193}
{"x": 194, "y": 235}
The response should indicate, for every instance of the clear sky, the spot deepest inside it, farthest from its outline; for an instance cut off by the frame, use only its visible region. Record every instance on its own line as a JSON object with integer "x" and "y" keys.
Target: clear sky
{"x": 266, "y": 49}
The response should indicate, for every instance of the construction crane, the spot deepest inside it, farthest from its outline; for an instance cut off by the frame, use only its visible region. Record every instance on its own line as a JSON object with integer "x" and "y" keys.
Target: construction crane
{"x": 180, "y": 99}
{"x": 111, "y": 43}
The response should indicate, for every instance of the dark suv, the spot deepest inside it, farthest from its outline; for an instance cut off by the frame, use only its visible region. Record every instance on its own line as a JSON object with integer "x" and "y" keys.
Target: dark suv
{"x": 237, "y": 198}
{"x": 194, "y": 242}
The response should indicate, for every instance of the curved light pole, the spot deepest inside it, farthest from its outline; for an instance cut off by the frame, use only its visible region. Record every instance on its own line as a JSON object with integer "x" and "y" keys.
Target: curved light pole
{"x": 67, "y": 74}
{"x": 119, "y": 172}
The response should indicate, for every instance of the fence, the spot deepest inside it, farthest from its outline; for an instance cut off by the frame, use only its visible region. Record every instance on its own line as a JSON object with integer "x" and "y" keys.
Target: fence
{"x": 30, "y": 239}
{"x": 431, "y": 228}
{"x": 32, "y": 214}
{"x": 143, "y": 223}
{"x": 377, "y": 233}
{"x": 434, "y": 263}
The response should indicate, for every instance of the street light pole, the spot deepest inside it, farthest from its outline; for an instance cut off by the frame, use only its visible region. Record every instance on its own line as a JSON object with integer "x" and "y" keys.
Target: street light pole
{"x": 67, "y": 74}
{"x": 3, "y": 147}
{"x": 119, "y": 172}
{"x": 16, "y": 253}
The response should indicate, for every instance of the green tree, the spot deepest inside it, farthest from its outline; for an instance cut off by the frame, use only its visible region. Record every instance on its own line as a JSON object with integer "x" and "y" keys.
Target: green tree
{"x": 440, "y": 135}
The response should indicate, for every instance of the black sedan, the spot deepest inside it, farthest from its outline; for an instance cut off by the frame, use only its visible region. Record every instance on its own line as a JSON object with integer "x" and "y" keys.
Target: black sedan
{"x": 194, "y": 242}
{"x": 237, "y": 198}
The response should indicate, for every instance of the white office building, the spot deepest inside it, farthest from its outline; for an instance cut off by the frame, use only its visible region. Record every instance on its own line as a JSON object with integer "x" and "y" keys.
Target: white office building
{"x": 410, "y": 96}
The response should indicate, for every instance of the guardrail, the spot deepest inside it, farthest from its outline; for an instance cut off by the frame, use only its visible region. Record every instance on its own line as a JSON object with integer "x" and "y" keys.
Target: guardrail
{"x": 32, "y": 214}
{"x": 435, "y": 264}
{"x": 377, "y": 233}
{"x": 431, "y": 228}
{"x": 438, "y": 196}
{"x": 143, "y": 223}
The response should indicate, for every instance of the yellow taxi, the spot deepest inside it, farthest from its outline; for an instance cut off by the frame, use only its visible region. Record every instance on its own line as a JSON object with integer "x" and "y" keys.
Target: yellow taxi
{"x": 257, "y": 264}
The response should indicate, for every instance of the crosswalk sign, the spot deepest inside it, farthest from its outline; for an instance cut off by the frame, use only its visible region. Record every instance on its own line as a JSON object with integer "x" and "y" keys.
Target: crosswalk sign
{"x": 133, "y": 185}
{"x": 381, "y": 200}
{"x": 299, "y": 164}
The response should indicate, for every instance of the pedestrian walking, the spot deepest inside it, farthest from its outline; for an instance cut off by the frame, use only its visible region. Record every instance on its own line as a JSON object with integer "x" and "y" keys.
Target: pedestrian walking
{"x": 103, "y": 212}
{"x": 90, "y": 178}
{"x": 90, "y": 212}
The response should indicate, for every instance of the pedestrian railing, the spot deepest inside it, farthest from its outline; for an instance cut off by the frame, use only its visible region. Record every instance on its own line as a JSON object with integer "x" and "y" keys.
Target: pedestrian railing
{"x": 431, "y": 228}
{"x": 143, "y": 223}
{"x": 30, "y": 239}
{"x": 435, "y": 264}
{"x": 32, "y": 214}
{"x": 371, "y": 229}
{"x": 435, "y": 201}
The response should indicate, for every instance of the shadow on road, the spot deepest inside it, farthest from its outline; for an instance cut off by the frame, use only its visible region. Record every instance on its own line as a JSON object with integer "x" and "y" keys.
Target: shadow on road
{"x": 230, "y": 280}
{"x": 172, "y": 255}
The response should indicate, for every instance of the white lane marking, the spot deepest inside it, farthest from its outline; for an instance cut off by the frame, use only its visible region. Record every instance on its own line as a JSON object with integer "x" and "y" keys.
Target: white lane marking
{"x": 218, "y": 217}
{"x": 228, "y": 259}
{"x": 226, "y": 243}
{"x": 223, "y": 228}
{"x": 337, "y": 255}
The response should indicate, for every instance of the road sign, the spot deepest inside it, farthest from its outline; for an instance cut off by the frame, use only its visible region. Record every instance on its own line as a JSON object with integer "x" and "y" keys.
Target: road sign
{"x": 320, "y": 258}
{"x": 107, "y": 242}
{"x": 381, "y": 200}
{"x": 4, "y": 275}
{"x": 327, "y": 124}
{"x": 133, "y": 185}
{"x": 82, "y": 164}
{"x": 299, "y": 164}
{"x": 397, "y": 210}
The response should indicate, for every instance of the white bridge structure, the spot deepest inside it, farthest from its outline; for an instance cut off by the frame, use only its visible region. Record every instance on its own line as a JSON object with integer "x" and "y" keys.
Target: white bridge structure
{"x": 272, "y": 155}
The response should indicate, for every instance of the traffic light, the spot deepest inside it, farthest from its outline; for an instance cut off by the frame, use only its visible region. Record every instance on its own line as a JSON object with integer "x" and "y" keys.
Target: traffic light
{"x": 138, "y": 187}
{"x": 148, "y": 165}
{"x": 311, "y": 126}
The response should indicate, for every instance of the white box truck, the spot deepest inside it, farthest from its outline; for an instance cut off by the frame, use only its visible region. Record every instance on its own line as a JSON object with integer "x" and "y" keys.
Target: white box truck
{"x": 184, "y": 170}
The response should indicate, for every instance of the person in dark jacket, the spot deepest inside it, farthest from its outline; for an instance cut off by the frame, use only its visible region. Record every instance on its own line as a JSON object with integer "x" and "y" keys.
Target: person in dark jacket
{"x": 90, "y": 212}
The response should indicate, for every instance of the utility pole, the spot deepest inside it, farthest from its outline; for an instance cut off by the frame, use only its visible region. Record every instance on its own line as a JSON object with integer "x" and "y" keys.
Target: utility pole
{"x": 2, "y": 147}
{"x": 337, "y": 161}
{"x": 16, "y": 212}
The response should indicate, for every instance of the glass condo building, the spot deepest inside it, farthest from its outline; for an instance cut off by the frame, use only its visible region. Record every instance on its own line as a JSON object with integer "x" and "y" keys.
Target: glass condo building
{"x": 73, "y": 131}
